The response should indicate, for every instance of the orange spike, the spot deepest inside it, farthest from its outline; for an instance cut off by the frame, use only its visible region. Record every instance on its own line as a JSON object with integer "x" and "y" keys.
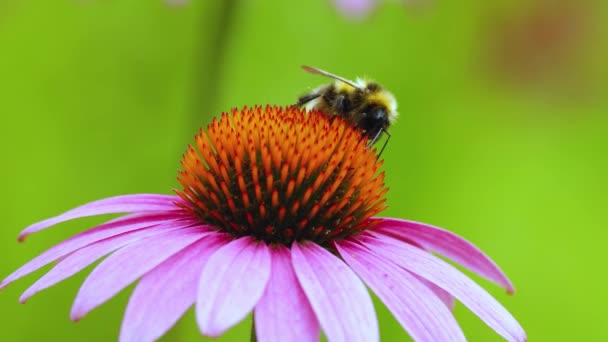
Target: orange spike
{"x": 258, "y": 192}
{"x": 275, "y": 198}
{"x": 246, "y": 201}
{"x": 241, "y": 182}
{"x": 269, "y": 182}
{"x": 314, "y": 210}
{"x": 284, "y": 173}
{"x": 307, "y": 195}
{"x": 295, "y": 207}
{"x": 290, "y": 186}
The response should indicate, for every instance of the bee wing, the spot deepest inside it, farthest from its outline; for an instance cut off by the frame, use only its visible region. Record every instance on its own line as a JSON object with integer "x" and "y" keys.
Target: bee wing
{"x": 316, "y": 71}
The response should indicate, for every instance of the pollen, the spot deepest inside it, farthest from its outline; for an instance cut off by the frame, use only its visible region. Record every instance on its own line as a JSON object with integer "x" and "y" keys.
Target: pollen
{"x": 282, "y": 175}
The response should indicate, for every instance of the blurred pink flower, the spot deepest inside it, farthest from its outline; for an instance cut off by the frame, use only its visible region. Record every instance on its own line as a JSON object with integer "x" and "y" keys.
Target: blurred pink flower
{"x": 355, "y": 8}
{"x": 275, "y": 217}
{"x": 359, "y": 9}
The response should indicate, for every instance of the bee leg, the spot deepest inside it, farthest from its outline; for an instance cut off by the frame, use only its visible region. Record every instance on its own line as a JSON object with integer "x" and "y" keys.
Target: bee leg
{"x": 388, "y": 137}
{"x": 377, "y": 136}
{"x": 306, "y": 98}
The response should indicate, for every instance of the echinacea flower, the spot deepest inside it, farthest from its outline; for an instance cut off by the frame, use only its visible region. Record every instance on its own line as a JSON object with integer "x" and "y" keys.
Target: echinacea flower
{"x": 275, "y": 216}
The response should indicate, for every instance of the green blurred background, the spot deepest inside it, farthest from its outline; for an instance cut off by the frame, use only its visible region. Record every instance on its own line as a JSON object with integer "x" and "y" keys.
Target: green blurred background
{"x": 501, "y": 139}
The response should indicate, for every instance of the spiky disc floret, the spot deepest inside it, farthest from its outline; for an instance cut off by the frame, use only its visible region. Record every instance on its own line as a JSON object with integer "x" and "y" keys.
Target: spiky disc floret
{"x": 282, "y": 175}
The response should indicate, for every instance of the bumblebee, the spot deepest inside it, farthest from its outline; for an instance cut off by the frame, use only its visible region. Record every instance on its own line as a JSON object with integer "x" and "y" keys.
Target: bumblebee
{"x": 365, "y": 104}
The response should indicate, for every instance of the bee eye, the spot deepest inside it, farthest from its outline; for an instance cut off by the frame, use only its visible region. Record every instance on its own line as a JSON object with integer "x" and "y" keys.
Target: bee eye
{"x": 378, "y": 114}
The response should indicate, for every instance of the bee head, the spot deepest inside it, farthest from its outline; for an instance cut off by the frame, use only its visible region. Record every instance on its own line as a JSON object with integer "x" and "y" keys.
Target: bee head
{"x": 373, "y": 119}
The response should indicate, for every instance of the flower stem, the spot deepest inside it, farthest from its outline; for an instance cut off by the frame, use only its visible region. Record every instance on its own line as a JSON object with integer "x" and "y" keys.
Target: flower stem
{"x": 220, "y": 24}
{"x": 252, "y": 337}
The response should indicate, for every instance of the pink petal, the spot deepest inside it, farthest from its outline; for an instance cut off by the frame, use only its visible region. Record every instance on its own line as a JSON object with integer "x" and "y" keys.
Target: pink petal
{"x": 443, "y": 295}
{"x": 108, "y": 229}
{"x": 164, "y": 294}
{"x": 444, "y": 275}
{"x": 283, "y": 313}
{"x": 414, "y": 305}
{"x": 448, "y": 244}
{"x": 231, "y": 283}
{"x": 129, "y": 263}
{"x": 355, "y": 8}
{"x": 339, "y": 299}
{"x": 85, "y": 256}
{"x": 111, "y": 205}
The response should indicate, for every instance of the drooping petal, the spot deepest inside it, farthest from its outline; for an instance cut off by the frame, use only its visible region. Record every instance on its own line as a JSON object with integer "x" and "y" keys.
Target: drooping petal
{"x": 103, "y": 231}
{"x": 118, "y": 204}
{"x": 231, "y": 283}
{"x": 85, "y": 256}
{"x": 164, "y": 294}
{"x": 127, "y": 264}
{"x": 284, "y": 313}
{"x": 341, "y": 302}
{"x": 415, "y": 306}
{"x": 445, "y": 297}
{"x": 446, "y": 276}
{"x": 447, "y": 244}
